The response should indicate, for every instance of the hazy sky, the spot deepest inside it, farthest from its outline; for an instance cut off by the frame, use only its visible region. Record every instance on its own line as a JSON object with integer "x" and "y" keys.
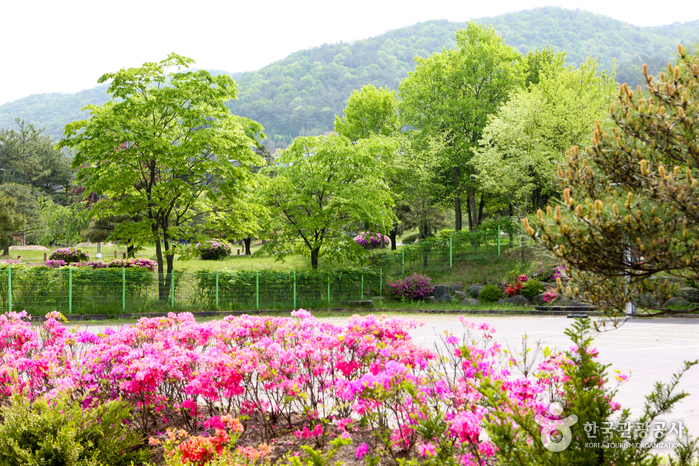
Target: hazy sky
{"x": 65, "y": 46}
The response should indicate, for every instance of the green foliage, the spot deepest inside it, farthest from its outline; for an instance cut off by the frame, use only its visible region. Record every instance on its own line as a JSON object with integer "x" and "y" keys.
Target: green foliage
{"x": 490, "y": 294}
{"x": 11, "y": 221}
{"x": 531, "y": 288}
{"x": 27, "y": 157}
{"x": 62, "y": 225}
{"x": 525, "y": 141}
{"x": 62, "y": 433}
{"x": 162, "y": 150}
{"x": 323, "y": 188}
{"x": 410, "y": 239}
{"x": 27, "y": 205}
{"x": 369, "y": 112}
{"x": 449, "y": 97}
{"x": 587, "y": 395}
{"x": 317, "y": 457}
{"x": 629, "y": 211}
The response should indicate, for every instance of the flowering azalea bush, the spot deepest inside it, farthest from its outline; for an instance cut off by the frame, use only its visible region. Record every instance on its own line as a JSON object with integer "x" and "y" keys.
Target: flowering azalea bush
{"x": 205, "y": 384}
{"x": 550, "y": 294}
{"x": 411, "y": 287}
{"x": 369, "y": 240}
{"x": 214, "y": 249}
{"x": 69, "y": 255}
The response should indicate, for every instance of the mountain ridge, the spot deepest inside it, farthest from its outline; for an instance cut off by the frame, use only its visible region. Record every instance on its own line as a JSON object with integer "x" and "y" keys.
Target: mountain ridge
{"x": 301, "y": 93}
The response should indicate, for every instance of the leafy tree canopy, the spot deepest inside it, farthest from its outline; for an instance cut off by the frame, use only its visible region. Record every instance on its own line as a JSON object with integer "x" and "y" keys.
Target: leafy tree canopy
{"x": 369, "y": 111}
{"x": 161, "y": 149}
{"x": 324, "y": 189}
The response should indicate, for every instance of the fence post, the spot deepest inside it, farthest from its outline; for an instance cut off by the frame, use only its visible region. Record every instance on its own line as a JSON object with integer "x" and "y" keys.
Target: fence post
{"x": 294, "y": 289}
{"x": 328, "y": 289}
{"x": 257, "y": 289}
{"x": 172, "y": 289}
{"x": 9, "y": 288}
{"x": 403, "y": 261}
{"x": 362, "y": 296}
{"x": 498, "y": 240}
{"x": 70, "y": 290}
{"x": 451, "y": 254}
{"x": 217, "y": 290}
{"x": 381, "y": 281}
{"x": 123, "y": 289}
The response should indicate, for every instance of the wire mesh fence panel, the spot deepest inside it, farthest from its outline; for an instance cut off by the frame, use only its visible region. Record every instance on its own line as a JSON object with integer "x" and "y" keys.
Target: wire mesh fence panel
{"x": 5, "y": 290}
{"x": 41, "y": 291}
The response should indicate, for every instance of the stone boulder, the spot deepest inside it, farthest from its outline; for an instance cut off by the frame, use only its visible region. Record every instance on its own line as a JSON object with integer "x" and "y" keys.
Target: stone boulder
{"x": 360, "y": 303}
{"x": 689, "y": 293}
{"x": 439, "y": 291}
{"x": 474, "y": 290}
{"x": 470, "y": 302}
{"x": 517, "y": 300}
{"x": 538, "y": 300}
{"x": 445, "y": 298}
{"x": 455, "y": 288}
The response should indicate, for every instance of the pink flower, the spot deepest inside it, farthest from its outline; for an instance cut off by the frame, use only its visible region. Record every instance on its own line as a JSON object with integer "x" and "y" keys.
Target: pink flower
{"x": 362, "y": 451}
{"x": 426, "y": 449}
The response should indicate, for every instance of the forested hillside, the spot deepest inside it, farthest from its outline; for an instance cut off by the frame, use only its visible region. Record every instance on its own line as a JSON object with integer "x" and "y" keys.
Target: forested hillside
{"x": 301, "y": 94}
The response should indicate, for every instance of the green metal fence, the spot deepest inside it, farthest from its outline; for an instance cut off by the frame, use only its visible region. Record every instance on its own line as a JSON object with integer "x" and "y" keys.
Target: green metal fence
{"x": 429, "y": 255}
{"x": 113, "y": 291}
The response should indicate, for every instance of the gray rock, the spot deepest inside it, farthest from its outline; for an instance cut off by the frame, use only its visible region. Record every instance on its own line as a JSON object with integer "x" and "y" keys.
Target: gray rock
{"x": 689, "y": 293}
{"x": 455, "y": 288}
{"x": 676, "y": 302}
{"x": 440, "y": 290}
{"x": 538, "y": 300}
{"x": 470, "y": 302}
{"x": 474, "y": 290}
{"x": 647, "y": 301}
{"x": 516, "y": 300}
{"x": 460, "y": 295}
{"x": 445, "y": 298}
{"x": 360, "y": 303}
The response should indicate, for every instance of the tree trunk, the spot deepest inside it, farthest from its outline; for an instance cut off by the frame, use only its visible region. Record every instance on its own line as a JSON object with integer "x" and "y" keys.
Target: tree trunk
{"x": 392, "y": 234}
{"x": 6, "y": 249}
{"x": 472, "y": 204}
{"x": 246, "y": 242}
{"x": 314, "y": 258}
{"x": 130, "y": 250}
{"x": 480, "y": 208}
{"x": 162, "y": 287}
{"x": 457, "y": 201}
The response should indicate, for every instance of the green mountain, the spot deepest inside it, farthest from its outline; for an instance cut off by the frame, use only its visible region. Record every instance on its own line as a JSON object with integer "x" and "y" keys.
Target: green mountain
{"x": 302, "y": 93}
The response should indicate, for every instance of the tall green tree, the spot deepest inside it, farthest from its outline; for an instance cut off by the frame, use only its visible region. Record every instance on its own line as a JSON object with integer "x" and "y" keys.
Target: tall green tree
{"x": 164, "y": 147}
{"x": 27, "y": 157}
{"x": 451, "y": 94}
{"x": 527, "y": 138}
{"x": 324, "y": 188}
{"x": 369, "y": 112}
{"x": 27, "y": 204}
{"x": 11, "y": 221}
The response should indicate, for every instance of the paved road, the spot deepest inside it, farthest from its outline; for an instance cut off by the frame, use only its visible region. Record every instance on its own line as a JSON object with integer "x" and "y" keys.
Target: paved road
{"x": 653, "y": 350}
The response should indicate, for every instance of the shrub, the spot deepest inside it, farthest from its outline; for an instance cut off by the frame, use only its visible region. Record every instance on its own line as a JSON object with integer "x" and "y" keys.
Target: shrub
{"x": 69, "y": 255}
{"x": 214, "y": 249}
{"x": 411, "y": 287}
{"x": 369, "y": 240}
{"x": 490, "y": 294}
{"x": 513, "y": 290}
{"x": 532, "y": 288}
{"x": 61, "y": 431}
{"x": 410, "y": 239}
{"x": 550, "y": 294}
